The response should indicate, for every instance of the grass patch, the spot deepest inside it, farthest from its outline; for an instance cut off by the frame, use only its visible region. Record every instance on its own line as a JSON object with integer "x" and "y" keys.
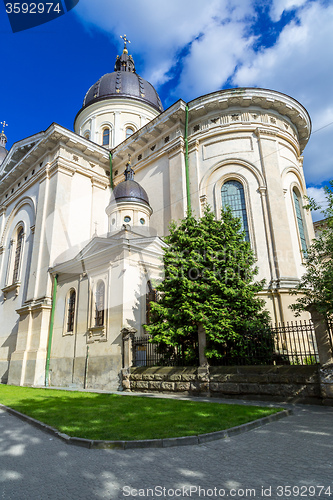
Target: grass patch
{"x": 117, "y": 417}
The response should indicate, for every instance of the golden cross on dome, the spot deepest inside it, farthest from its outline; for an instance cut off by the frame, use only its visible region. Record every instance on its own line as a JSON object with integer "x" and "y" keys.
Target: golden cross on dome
{"x": 126, "y": 40}
{"x": 4, "y": 124}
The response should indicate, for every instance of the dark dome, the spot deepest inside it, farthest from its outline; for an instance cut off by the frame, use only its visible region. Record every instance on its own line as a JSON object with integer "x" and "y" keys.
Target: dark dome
{"x": 123, "y": 84}
{"x": 130, "y": 190}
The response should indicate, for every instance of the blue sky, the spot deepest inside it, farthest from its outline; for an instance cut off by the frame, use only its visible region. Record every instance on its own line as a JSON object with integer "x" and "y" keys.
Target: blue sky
{"x": 185, "y": 48}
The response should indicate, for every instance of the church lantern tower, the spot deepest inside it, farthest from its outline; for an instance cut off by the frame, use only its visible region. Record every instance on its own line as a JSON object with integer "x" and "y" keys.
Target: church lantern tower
{"x": 118, "y": 104}
{"x": 129, "y": 204}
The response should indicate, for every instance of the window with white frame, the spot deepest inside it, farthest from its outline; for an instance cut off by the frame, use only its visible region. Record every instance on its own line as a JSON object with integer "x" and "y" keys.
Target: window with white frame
{"x": 100, "y": 303}
{"x": 106, "y": 136}
{"x": 70, "y": 310}
{"x": 233, "y": 196}
{"x": 129, "y": 131}
{"x": 18, "y": 254}
{"x": 300, "y": 221}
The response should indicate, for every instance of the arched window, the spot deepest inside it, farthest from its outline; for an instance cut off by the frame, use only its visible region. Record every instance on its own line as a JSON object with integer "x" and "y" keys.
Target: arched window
{"x": 151, "y": 296}
{"x": 18, "y": 254}
{"x": 300, "y": 223}
{"x": 99, "y": 303}
{"x": 87, "y": 135}
{"x": 71, "y": 301}
{"x": 129, "y": 132}
{"x": 233, "y": 196}
{"x": 106, "y": 137}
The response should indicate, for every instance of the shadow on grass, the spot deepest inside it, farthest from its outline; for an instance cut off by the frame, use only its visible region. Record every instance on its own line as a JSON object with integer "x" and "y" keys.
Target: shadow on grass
{"x": 117, "y": 417}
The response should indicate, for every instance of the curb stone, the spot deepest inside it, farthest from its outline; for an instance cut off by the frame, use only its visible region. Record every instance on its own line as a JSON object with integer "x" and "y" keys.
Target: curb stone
{"x": 149, "y": 443}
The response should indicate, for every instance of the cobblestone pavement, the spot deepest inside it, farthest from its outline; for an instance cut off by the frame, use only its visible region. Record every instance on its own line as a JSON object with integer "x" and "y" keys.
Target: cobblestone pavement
{"x": 294, "y": 452}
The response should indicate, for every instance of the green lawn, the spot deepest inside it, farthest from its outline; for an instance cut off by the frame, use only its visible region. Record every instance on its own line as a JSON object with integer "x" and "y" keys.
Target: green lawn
{"x": 117, "y": 417}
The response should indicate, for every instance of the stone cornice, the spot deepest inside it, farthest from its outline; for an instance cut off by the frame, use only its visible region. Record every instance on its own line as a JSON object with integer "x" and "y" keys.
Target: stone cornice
{"x": 241, "y": 99}
{"x": 45, "y": 142}
{"x": 38, "y": 305}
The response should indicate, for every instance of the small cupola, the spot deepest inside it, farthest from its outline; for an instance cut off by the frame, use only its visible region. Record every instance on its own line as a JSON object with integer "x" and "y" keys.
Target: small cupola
{"x": 129, "y": 203}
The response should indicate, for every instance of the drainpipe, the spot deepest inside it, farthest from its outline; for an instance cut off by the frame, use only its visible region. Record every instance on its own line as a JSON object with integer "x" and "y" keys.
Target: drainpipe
{"x": 186, "y": 161}
{"x": 47, "y": 367}
{"x": 111, "y": 176}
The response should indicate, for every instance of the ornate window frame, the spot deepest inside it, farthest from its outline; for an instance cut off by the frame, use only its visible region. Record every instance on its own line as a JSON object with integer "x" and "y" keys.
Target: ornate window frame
{"x": 106, "y": 126}
{"x": 249, "y": 213}
{"x": 14, "y": 265}
{"x": 97, "y": 332}
{"x": 294, "y": 188}
{"x": 66, "y": 331}
{"x": 129, "y": 126}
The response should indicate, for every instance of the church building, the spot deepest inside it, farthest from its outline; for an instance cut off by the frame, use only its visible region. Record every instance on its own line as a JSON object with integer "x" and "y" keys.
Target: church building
{"x": 83, "y": 215}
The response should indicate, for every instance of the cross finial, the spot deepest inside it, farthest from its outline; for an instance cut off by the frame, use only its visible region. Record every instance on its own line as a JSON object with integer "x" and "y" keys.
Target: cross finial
{"x": 126, "y": 41}
{"x": 4, "y": 124}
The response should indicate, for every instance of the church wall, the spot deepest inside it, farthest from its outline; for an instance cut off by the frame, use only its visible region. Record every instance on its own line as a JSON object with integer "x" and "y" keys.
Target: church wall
{"x": 63, "y": 194}
{"x": 20, "y": 213}
{"x": 156, "y": 178}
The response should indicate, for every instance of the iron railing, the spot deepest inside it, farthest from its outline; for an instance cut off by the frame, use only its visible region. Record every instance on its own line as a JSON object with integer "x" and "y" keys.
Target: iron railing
{"x": 284, "y": 344}
{"x": 146, "y": 353}
{"x": 295, "y": 343}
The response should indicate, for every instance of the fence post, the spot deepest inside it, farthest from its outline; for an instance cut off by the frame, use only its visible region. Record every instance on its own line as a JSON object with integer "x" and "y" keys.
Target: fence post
{"x": 128, "y": 334}
{"x": 322, "y": 337}
{"x": 325, "y": 356}
{"x": 202, "y": 341}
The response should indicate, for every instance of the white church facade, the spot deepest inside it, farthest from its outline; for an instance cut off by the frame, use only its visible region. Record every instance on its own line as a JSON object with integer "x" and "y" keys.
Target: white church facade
{"x": 80, "y": 250}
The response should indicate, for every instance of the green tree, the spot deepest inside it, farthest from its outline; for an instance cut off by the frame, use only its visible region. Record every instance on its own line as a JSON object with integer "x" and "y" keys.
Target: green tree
{"x": 316, "y": 286}
{"x": 209, "y": 271}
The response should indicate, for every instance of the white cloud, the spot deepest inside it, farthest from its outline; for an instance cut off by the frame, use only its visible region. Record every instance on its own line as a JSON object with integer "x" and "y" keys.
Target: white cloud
{"x": 206, "y": 43}
{"x": 213, "y": 59}
{"x": 280, "y": 6}
{"x": 300, "y": 64}
{"x": 160, "y": 30}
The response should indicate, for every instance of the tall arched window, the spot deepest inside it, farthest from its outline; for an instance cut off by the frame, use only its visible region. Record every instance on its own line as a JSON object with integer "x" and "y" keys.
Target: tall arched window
{"x": 129, "y": 132}
{"x": 233, "y": 196}
{"x": 71, "y": 300}
{"x": 99, "y": 303}
{"x": 106, "y": 136}
{"x": 300, "y": 223}
{"x": 18, "y": 254}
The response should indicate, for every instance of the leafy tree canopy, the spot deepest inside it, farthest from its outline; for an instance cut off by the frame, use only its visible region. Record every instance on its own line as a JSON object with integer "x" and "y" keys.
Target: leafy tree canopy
{"x": 209, "y": 272}
{"x": 316, "y": 285}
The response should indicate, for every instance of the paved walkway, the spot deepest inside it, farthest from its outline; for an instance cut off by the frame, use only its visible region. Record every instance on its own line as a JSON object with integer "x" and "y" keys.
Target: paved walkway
{"x": 295, "y": 451}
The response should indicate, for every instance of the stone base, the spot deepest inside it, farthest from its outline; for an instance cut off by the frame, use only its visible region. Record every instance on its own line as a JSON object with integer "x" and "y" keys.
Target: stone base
{"x": 281, "y": 383}
{"x": 326, "y": 384}
{"x": 102, "y": 372}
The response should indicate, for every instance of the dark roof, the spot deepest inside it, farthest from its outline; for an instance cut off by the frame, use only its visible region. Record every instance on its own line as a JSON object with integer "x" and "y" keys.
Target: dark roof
{"x": 123, "y": 84}
{"x": 130, "y": 190}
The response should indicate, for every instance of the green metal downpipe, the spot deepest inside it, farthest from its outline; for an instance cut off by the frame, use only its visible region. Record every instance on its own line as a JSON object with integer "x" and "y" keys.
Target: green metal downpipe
{"x": 111, "y": 173}
{"x": 187, "y": 171}
{"x": 47, "y": 367}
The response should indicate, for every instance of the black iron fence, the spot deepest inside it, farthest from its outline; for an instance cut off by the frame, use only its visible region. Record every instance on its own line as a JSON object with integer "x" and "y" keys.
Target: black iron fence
{"x": 295, "y": 343}
{"x": 287, "y": 344}
{"x": 146, "y": 353}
